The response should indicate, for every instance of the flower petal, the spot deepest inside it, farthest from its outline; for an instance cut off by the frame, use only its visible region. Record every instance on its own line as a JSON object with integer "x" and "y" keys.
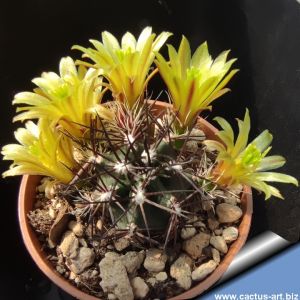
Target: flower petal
{"x": 271, "y": 162}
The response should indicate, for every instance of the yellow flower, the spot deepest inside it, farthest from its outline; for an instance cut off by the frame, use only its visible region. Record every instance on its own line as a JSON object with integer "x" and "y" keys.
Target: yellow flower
{"x": 43, "y": 150}
{"x": 125, "y": 66}
{"x": 239, "y": 163}
{"x": 66, "y": 99}
{"x": 194, "y": 81}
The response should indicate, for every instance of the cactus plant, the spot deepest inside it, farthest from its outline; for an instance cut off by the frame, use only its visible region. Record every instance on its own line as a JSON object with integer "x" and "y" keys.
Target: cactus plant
{"x": 139, "y": 168}
{"x": 136, "y": 173}
{"x": 131, "y": 168}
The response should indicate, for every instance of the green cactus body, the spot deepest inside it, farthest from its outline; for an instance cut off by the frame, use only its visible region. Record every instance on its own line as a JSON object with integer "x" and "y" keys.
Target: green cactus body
{"x": 142, "y": 177}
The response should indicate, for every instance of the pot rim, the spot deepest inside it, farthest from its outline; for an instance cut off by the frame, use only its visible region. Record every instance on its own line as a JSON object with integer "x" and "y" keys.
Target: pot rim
{"x": 28, "y": 185}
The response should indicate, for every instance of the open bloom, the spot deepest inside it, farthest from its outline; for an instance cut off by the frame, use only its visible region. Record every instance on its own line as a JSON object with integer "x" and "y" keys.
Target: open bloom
{"x": 67, "y": 99}
{"x": 125, "y": 66}
{"x": 194, "y": 81}
{"x": 43, "y": 150}
{"x": 247, "y": 164}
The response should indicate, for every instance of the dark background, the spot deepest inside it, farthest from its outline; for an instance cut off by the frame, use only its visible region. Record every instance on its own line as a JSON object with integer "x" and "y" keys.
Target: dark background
{"x": 263, "y": 34}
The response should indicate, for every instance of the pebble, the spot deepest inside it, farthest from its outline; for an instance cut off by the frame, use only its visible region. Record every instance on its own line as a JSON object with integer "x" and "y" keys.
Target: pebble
{"x": 181, "y": 271}
{"x": 218, "y": 232}
{"x": 216, "y": 255}
{"x": 187, "y": 233}
{"x": 213, "y": 224}
{"x": 140, "y": 288}
{"x": 219, "y": 194}
{"x": 114, "y": 277}
{"x": 230, "y": 234}
{"x": 50, "y": 190}
{"x": 132, "y": 260}
{"x": 161, "y": 276}
{"x": 192, "y": 146}
{"x": 207, "y": 205}
{"x": 228, "y": 213}
{"x": 155, "y": 260}
{"x": 77, "y": 228}
{"x": 231, "y": 199}
{"x": 46, "y": 181}
{"x": 237, "y": 189}
{"x": 194, "y": 246}
{"x": 69, "y": 244}
{"x": 84, "y": 259}
{"x": 112, "y": 255}
{"x": 152, "y": 281}
{"x": 111, "y": 296}
{"x": 219, "y": 243}
{"x": 121, "y": 244}
{"x": 203, "y": 270}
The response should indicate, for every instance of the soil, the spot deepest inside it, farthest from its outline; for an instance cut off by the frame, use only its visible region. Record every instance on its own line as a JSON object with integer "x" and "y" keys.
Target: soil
{"x": 77, "y": 251}
{"x": 143, "y": 218}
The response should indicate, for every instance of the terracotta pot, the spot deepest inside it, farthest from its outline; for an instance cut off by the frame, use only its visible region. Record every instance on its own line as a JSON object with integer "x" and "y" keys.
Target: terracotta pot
{"x": 26, "y": 202}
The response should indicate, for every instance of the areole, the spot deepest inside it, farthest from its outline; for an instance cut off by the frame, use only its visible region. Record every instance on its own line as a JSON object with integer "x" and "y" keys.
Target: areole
{"x": 26, "y": 202}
